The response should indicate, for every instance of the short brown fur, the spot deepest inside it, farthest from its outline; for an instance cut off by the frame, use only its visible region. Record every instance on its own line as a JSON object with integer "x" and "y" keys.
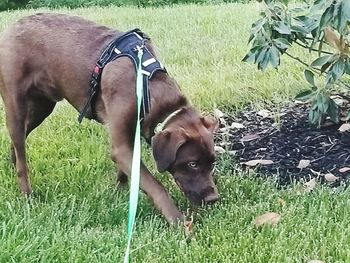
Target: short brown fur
{"x": 45, "y": 58}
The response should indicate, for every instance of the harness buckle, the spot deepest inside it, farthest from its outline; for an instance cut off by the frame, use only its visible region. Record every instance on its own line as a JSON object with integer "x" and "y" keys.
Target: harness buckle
{"x": 99, "y": 65}
{"x": 139, "y": 48}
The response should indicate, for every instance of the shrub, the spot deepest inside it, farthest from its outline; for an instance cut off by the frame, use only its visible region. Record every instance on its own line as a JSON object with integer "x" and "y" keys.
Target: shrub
{"x": 322, "y": 28}
{"x": 12, "y": 4}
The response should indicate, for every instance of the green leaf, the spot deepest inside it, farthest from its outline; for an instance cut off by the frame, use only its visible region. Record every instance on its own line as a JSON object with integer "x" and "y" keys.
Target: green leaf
{"x": 264, "y": 62}
{"x": 310, "y": 77}
{"x": 267, "y": 31}
{"x": 336, "y": 13}
{"x": 344, "y": 16}
{"x": 281, "y": 27}
{"x": 260, "y": 40}
{"x": 347, "y": 66}
{"x": 305, "y": 95}
{"x": 281, "y": 43}
{"x": 250, "y": 57}
{"x": 321, "y": 61}
{"x": 333, "y": 111}
{"x": 346, "y": 9}
{"x": 274, "y": 56}
{"x": 298, "y": 29}
{"x": 315, "y": 117}
{"x": 337, "y": 70}
{"x": 311, "y": 116}
{"x": 326, "y": 17}
{"x": 320, "y": 46}
{"x": 322, "y": 102}
{"x": 320, "y": 5}
{"x": 325, "y": 66}
{"x": 348, "y": 117}
{"x": 256, "y": 27}
{"x": 304, "y": 24}
{"x": 260, "y": 55}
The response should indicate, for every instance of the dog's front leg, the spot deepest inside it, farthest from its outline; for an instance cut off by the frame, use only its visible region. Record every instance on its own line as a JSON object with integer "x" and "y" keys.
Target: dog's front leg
{"x": 122, "y": 155}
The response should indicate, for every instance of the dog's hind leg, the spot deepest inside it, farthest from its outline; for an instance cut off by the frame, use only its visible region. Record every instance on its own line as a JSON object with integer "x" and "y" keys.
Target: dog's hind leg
{"x": 23, "y": 114}
{"x": 39, "y": 107}
{"x": 16, "y": 111}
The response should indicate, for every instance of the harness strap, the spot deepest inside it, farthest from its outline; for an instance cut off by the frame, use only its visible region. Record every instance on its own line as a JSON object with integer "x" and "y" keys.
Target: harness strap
{"x": 124, "y": 45}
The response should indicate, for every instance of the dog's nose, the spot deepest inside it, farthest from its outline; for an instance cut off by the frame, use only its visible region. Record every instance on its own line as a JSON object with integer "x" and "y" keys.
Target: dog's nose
{"x": 211, "y": 198}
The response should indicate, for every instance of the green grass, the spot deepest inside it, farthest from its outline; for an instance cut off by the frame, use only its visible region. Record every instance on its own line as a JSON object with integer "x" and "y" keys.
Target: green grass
{"x": 78, "y": 215}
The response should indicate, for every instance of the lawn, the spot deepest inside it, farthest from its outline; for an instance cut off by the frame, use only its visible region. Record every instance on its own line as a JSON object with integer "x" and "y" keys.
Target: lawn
{"x": 78, "y": 215}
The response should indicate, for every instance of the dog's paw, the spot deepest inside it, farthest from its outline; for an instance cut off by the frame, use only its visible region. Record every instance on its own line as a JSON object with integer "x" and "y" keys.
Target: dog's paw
{"x": 122, "y": 179}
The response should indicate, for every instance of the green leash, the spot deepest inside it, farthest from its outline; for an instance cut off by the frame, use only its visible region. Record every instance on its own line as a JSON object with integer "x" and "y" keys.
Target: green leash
{"x": 136, "y": 160}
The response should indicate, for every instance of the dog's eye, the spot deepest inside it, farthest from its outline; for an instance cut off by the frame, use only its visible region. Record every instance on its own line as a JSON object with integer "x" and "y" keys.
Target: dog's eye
{"x": 193, "y": 164}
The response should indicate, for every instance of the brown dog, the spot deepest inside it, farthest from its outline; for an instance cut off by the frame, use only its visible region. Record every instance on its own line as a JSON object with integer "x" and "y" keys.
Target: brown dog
{"x": 45, "y": 58}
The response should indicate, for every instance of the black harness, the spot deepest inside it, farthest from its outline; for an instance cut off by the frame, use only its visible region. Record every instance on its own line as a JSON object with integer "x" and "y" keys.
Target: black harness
{"x": 124, "y": 45}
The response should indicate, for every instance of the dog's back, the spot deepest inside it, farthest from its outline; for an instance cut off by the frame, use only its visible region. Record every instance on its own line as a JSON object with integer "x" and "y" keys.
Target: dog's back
{"x": 44, "y": 49}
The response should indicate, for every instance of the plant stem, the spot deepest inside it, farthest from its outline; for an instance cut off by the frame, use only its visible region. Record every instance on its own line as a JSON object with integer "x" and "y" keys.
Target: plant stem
{"x": 297, "y": 59}
{"x": 313, "y": 49}
{"x": 341, "y": 83}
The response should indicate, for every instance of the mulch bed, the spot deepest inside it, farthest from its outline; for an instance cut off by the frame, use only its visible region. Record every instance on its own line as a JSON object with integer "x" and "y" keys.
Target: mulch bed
{"x": 285, "y": 137}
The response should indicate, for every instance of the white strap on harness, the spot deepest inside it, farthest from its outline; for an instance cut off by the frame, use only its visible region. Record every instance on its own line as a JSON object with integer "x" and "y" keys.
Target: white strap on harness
{"x": 160, "y": 126}
{"x": 149, "y": 62}
{"x": 144, "y": 72}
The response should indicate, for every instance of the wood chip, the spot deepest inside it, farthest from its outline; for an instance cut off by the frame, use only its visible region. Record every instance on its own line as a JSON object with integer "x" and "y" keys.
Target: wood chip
{"x": 264, "y": 113}
{"x": 260, "y": 161}
{"x": 250, "y": 137}
{"x": 331, "y": 177}
{"x": 218, "y": 113}
{"x": 219, "y": 149}
{"x": 303, "y": 164}
{"x": 236, "y": 125}
{"x": 344, "y": 127}
{"x": 310, "y": 185}
{"x": 344, "y": 169}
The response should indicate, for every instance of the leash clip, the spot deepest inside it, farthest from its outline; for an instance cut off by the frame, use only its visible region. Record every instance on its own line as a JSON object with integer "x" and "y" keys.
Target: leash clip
{"x": 139, "y": 48}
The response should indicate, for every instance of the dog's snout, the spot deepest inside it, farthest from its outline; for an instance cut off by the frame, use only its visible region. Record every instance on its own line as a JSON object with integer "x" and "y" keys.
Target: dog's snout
{"x": 211, "y": 198}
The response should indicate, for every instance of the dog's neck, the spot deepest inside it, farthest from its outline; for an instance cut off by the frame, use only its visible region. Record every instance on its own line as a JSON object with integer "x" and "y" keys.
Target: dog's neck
{"x": 160, "y": 126}
{"x": 166, "y": 98}
{"x": 161, "y": 117}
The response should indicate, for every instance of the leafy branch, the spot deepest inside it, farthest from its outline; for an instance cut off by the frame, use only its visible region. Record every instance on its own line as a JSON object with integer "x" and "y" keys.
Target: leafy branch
{"x": 322, "y": 27}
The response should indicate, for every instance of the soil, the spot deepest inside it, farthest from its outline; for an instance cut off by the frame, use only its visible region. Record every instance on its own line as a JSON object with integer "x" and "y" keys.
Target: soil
{"x": 285, "y": 137}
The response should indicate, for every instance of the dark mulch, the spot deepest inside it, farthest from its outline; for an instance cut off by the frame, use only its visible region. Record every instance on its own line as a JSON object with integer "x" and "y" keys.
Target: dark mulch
{"x": 286, "y": 137}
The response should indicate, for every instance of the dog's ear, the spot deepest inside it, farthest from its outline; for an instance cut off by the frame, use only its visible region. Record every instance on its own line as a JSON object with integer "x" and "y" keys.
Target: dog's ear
{"x": 165, "y": 145}
{"x": 210, "y": 123}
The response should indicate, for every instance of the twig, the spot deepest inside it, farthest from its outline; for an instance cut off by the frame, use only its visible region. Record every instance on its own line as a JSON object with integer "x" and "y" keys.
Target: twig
{"x": 297, "y": 59}
{"x": 341, "y": 83}
{"x": 313, "y": 49}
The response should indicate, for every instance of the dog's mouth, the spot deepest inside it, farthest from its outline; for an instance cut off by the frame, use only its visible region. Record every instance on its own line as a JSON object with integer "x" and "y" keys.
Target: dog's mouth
{"x": 206, "y": 196}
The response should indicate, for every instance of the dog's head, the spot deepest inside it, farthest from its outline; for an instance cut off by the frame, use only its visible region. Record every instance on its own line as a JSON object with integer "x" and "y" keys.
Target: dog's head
{"x": 186, "y": 149}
